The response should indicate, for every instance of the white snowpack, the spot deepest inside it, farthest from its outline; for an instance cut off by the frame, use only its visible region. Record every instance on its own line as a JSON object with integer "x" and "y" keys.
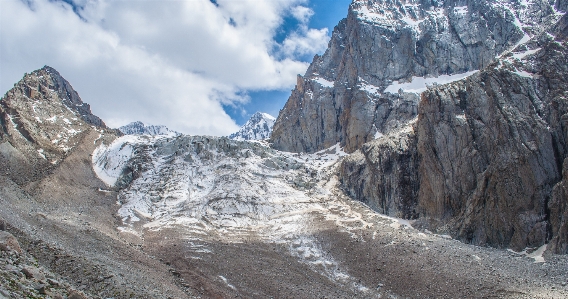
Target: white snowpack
{"x": 109, "y": 160}
{"x": 537, "y": 254}
{"x": 524, "y": 74}
{"x": 323, "y": 82}
{"x": 420, "y": 84}
{"x": 522, "y": 55}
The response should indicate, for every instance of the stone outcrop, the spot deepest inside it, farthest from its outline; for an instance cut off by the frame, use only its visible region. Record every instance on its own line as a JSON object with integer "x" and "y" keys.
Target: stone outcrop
{"x": 383, "y": 174}
{"x": 9, "y": 243}
{"x": 491, "y": 148}
{"x": 341, "y": 97}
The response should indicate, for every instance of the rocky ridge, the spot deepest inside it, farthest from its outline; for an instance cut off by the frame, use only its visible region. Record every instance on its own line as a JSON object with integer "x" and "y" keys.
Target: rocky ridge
{"x": 42, "y": 119}
{"x": 258, "y": 127}
{"x": 138, "y": 128}
{"x": 484, "y": 155}
{"x": 386, "y": 46}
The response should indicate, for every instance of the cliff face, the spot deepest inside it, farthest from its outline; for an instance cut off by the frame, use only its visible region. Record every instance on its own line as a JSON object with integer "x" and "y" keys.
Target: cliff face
{"x": 490, "y": 152}
{"x": 342, "y": 96}
{"x": 492, "y": 148}
{"x": 383, "y": 174}
{"x": 480, "y": 158}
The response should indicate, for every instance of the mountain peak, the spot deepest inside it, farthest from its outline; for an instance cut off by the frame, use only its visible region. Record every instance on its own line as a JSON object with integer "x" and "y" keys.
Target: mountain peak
{"x": 258, "y": 127}
{"x": 139, "y": 128}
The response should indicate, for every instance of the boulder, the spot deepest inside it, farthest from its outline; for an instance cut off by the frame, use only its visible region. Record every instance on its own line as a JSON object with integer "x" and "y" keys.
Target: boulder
{"x": 9, "y": 243}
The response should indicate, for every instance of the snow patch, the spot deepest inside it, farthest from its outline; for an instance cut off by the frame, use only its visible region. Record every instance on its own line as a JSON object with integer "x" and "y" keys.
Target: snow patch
{"x": 420, "y": 84}
{"x": 323, "y": 82}
{"x": 109, "y": 160}
{"x": 537, "y": 254}
{"x": 460, "y": 10}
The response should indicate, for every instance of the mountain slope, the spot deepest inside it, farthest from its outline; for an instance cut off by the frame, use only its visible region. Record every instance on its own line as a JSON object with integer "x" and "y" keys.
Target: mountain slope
{"x": 51, "y": 200}
{"x": 258, "y": 127}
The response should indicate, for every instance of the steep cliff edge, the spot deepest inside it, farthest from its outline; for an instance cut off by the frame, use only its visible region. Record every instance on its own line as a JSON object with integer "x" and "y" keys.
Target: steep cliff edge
{"x": 490, "y": 151}
{"x": 342, "y": 97}
{"x": 491, "y": 147}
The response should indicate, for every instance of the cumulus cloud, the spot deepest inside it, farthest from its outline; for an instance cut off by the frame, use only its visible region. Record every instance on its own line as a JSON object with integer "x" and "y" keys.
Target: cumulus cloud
{"x": 302, "y": 13}
{"x": 174, "y": 63}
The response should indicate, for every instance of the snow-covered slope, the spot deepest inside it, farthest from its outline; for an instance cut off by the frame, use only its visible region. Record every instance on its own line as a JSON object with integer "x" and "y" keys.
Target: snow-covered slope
{"x": 233, "y": 190}
{"x": 258, "y": 127}
{"x": 138, "y": 128}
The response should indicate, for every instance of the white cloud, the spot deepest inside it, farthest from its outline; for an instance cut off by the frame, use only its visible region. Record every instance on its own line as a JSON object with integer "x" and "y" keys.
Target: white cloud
{"x": 172, "y": 63}
{"x": 302, "y": 13}
{"x": 305, "y": 41}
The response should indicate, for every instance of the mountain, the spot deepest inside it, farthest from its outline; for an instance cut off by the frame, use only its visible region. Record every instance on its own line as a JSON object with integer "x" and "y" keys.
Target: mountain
{"x": 351, "y": 92}
{"x": 258, "y": 127}
{"x": 162, "y": 216}
{"x": 138, "y": 128}
{"x": 468, "y": 149}
{"x": 452, "y": 112}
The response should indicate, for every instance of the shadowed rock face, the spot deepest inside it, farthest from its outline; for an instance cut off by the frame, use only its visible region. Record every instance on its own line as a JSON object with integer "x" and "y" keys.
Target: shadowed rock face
{"x": 490, "y": 152}
{"x": 341, "y": 98}
{"x": 492, "y": 148}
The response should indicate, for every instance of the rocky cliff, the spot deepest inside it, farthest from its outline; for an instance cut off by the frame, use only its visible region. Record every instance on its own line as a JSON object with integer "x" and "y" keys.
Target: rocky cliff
{"x": 389, "y": 46}
{"x": 41, "y": 120}
{"x": 490, "y": 151}
{"x": 492, "y": 147}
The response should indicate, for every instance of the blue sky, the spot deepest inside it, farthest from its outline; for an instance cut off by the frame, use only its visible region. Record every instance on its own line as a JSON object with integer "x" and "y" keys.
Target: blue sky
{"x": 198, "y": 67}
{"x": 327, "y": 14}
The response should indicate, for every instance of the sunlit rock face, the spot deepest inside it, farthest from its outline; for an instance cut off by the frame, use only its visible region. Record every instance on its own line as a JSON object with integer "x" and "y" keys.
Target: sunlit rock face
{"x": 483, "y": 161}
{"x": 42, "y": 119}
{"x": 352, "y": 91}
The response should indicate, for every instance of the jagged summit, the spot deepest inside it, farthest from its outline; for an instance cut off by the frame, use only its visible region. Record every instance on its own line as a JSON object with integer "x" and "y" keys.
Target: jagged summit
{"x": 42, "y": 119}
{"x": 398, "y": 45}
{"x": 258, "y": 127}
{"x": 138, "y": 128}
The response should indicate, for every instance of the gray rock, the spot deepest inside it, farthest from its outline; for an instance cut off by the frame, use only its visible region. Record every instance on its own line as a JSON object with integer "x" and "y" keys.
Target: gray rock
{"x": 383, "y": 174}
{"x": 491, "y": 151}
{"x": 9, "y": 243}
{"x": 41, "y": 120}
{"x": 32, "y": 272}
{"x": 341, "y": 98}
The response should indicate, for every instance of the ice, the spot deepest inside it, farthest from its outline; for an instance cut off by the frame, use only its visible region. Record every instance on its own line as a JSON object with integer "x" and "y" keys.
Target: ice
{"x": 419, "y": 84}
{"x": 227, "y": 282}
{"x": 536, "y": 255}
{"x": 109, "y": 161}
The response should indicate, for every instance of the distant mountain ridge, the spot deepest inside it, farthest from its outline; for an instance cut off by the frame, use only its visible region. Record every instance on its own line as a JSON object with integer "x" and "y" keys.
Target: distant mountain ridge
{"x": 258, "y": 127}
{"x": 138, "y": 128}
